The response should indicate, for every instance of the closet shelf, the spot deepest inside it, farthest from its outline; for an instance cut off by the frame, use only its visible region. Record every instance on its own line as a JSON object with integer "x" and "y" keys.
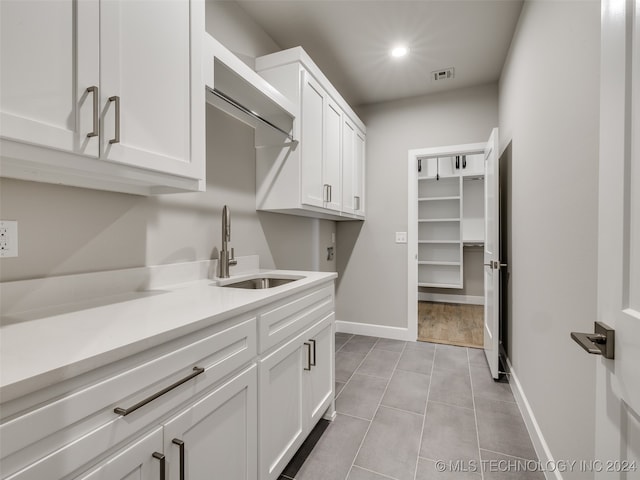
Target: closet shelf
{"x": 438, "y": 220}
{"x": 434, "y": 262}
{"x": 440, "y": 285}
{"x": 457, "y": 242}
{"x": 436, "y": 199}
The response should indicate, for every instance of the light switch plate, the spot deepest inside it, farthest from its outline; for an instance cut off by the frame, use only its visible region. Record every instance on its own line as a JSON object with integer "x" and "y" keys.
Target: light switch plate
{"x": 8, "y": 238}
{"x": 401, "y": 237}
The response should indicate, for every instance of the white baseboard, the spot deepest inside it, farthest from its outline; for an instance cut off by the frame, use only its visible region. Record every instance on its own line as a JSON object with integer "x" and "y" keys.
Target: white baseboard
{"x": 539, "y": 443}
{"x": 383, "y": 331}
{"x": 448, "y": 298}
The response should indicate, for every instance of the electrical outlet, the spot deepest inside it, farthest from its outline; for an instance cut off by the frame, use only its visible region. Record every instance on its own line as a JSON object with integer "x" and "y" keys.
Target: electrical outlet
{"x": 401, "y": 237}
{"x": 8, "y": 238}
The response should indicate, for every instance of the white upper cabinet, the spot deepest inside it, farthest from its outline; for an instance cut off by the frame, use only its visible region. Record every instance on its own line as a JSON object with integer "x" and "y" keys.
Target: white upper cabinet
{"x": 104, "y": 94}
{"x": 44, "y": 98}
{"x": 454, "y": 166}
{"x": 324, "y": 176}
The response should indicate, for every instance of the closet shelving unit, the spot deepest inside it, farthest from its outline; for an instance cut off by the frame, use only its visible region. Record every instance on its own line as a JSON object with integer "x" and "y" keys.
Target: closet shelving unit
{"x": 440, "y": 232}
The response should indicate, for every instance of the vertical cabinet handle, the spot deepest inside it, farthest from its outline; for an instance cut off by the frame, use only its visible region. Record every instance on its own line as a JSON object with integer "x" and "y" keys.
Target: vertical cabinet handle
{"x": 94, "y": 90}
{"x": 308, "y": 345}
{"x": 330, "y": 193}
{"x": 160, "y": 457}
{"x": 457, "y": 162}
{"x": 116, "y": 138}
{"x": 180, "y": 444}
{"x": 464, "y": 161}
{"x": 312, "y": 363}
{"x": 356, "y": 201}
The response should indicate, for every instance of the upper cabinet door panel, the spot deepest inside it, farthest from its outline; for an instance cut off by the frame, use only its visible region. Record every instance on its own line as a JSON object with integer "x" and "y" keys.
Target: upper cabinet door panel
{"x": 359, "y": 173}
{"x": 311, "y": 142}
{"x": 145, "y": 49}
{"x": 333, "y": 154}
{"x": 49, "y": 57}
{"x": 348, "y": 166}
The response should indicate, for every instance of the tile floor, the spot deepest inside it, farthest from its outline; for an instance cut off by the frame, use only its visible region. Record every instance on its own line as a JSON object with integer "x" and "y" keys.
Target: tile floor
{"x": 406, "y": 408}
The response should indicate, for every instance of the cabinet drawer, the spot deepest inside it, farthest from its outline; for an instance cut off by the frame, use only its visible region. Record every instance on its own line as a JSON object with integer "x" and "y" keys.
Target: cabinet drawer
{"x": 284, "y": 319}
{"x": 89, "y": 412}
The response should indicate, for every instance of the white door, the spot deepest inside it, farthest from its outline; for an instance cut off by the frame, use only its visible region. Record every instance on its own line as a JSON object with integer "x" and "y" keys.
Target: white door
{"x": 146, "y": 85}
{"x": 142, "y": 460}
{"x": 49, "y": 57}
{"x": 348, "y": 166}
{"x": 319, "y": 381}
{"x": 359, "y": 182}
{"x": 217, "y": 435}
{"x": 332, "y": 155}
{"x": 618, "y": 380}
{"x": 491, "y": 254}
{"x": 313, "y": 191}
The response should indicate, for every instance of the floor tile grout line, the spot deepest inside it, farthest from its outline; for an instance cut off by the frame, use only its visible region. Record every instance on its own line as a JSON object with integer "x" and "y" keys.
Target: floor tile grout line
{"x": 373, "y": 471}
{"x": 424, "y": 417}
{"x": 475, "y": 416}
{"x": 353, "y": 462}
{"x": 509, "y": 455}
{"x": 450, "y": 404}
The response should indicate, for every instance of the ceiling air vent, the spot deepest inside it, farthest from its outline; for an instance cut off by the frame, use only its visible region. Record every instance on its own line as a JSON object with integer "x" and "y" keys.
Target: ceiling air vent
{"x": 444, "y": 74}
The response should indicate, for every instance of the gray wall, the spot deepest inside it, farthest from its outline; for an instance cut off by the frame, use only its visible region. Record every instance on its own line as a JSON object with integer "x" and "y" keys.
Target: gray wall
{"x": 549, "y": 100}
{"x": 66, "y": 230}
{"x": 372, "y": 268}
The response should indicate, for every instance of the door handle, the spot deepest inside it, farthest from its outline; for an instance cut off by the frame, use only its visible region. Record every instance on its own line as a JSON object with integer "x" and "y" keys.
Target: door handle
{"x": 313, "y": 362}
{"x": 96, "y": 127}
{"x": 162, "y": 459}
{"x": 602, "y": 342}
{"x": 116, "y": 137}
{"x": 308, "y": 345}
{"x": 180, "y": 444}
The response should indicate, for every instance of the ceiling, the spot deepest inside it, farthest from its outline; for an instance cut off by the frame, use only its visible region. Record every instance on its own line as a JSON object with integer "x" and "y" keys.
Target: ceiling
{"x": 350, "y": 41}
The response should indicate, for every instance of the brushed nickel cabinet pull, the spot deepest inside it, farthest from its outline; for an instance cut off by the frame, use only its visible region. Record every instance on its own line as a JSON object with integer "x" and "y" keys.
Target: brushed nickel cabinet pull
{"x": 116, "y": 138}
{"x": 312, "y": 363}
{"x": 160, "y": 457}
{"x": 308, "y": 367}
{"x": 180, "y": 443}
{"x": 94, "y": 90}
{"x": 357, "y": 202}
{"x": 126, "y": 411}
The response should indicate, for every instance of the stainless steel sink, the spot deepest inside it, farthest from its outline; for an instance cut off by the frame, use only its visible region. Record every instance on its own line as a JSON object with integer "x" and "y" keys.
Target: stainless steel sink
{"x": 260, "y": 283}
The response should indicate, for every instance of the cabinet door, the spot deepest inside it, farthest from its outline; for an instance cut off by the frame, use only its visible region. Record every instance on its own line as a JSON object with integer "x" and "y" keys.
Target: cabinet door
{"x": 216, "y": 437}
{"x": 147, "y": 83}
{"x": 348, "y": 166}
{"x": 49, "y": 55}
{"x": 319, "y": 381}
{"x": 282, "y": 419}
{"x": 359, "y": 174}
{"x": 332, "y": 155}
{"x": 312, "y": 187}
{"x": 137, "y": 461}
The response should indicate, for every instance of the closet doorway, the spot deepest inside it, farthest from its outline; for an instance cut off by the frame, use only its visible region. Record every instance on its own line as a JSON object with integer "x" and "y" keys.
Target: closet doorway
{"x": 453, "y": 265}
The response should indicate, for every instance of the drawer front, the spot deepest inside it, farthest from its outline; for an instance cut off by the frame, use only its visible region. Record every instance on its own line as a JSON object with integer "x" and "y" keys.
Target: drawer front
{"x": 89, "y": 412}
{"x": 278, "y": 322}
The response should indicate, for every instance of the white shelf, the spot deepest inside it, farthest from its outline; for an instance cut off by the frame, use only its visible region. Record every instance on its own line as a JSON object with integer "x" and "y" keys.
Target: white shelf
{"x": 439, "y": 285}
{"x": 438, "y": 220}
{"x": 436, "y": 199}
{"x": 439, "y": 241}
{"x": 434, "y": 262}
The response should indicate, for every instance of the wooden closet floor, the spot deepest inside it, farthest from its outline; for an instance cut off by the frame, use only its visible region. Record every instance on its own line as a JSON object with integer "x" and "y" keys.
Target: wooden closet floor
{"x": 451, "y": 324}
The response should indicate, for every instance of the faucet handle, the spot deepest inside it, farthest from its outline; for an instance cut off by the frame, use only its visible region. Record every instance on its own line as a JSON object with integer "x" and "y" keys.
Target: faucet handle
{"x": 232, "y": 259}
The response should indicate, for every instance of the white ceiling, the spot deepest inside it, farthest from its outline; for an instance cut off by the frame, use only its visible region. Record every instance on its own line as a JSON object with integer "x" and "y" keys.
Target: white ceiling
{"x": 350, "y": 39}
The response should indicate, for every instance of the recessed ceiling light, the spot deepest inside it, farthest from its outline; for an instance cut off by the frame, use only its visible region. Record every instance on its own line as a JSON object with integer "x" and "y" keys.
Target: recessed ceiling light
{"x": 399, "y": 51}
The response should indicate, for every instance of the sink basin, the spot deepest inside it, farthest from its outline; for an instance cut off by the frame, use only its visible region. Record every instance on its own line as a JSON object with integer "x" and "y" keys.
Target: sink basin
{"x": 259, "y": 283}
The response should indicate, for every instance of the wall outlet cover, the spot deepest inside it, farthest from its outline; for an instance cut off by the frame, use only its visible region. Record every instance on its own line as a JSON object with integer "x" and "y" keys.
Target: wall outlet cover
{"x": 8, "y": 238}
{"x": 401, "y": 237}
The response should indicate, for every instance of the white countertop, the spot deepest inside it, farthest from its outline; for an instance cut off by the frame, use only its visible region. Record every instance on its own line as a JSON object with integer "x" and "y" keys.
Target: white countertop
{"x": 44, "y": 346}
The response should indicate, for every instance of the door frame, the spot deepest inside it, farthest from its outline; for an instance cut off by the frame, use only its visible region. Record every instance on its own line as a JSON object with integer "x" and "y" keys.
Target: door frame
{"x": 412, "y": 221}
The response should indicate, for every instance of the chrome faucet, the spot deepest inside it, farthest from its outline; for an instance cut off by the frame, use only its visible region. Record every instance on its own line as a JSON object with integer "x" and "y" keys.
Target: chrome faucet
{"x": 225, "y": 260}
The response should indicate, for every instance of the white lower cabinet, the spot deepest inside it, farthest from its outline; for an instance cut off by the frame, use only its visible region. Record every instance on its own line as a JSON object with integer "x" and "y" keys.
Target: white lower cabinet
{"x": 216, "y": 434}
{"x": 296, "y": 389}
{"x": 208, "y": 405}
{"x": 141, "y": 460}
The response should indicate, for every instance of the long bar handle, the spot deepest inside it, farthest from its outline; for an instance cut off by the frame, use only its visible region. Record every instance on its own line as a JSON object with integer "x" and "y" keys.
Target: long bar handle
{"x": 126, "y": 411}
{"x": 162, "y": 459}
{"x": 308, "y": 367}
{"x": 312, "y": 363}
{"x": 180, "y": 443}
{"x": 116, "y": 138}
{"x": 357, "y": 202}
{"x": 94, "y": 90}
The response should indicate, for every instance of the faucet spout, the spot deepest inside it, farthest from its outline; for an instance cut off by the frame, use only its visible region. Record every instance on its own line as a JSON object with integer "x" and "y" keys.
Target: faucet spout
{"x": 226, "y": 259}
